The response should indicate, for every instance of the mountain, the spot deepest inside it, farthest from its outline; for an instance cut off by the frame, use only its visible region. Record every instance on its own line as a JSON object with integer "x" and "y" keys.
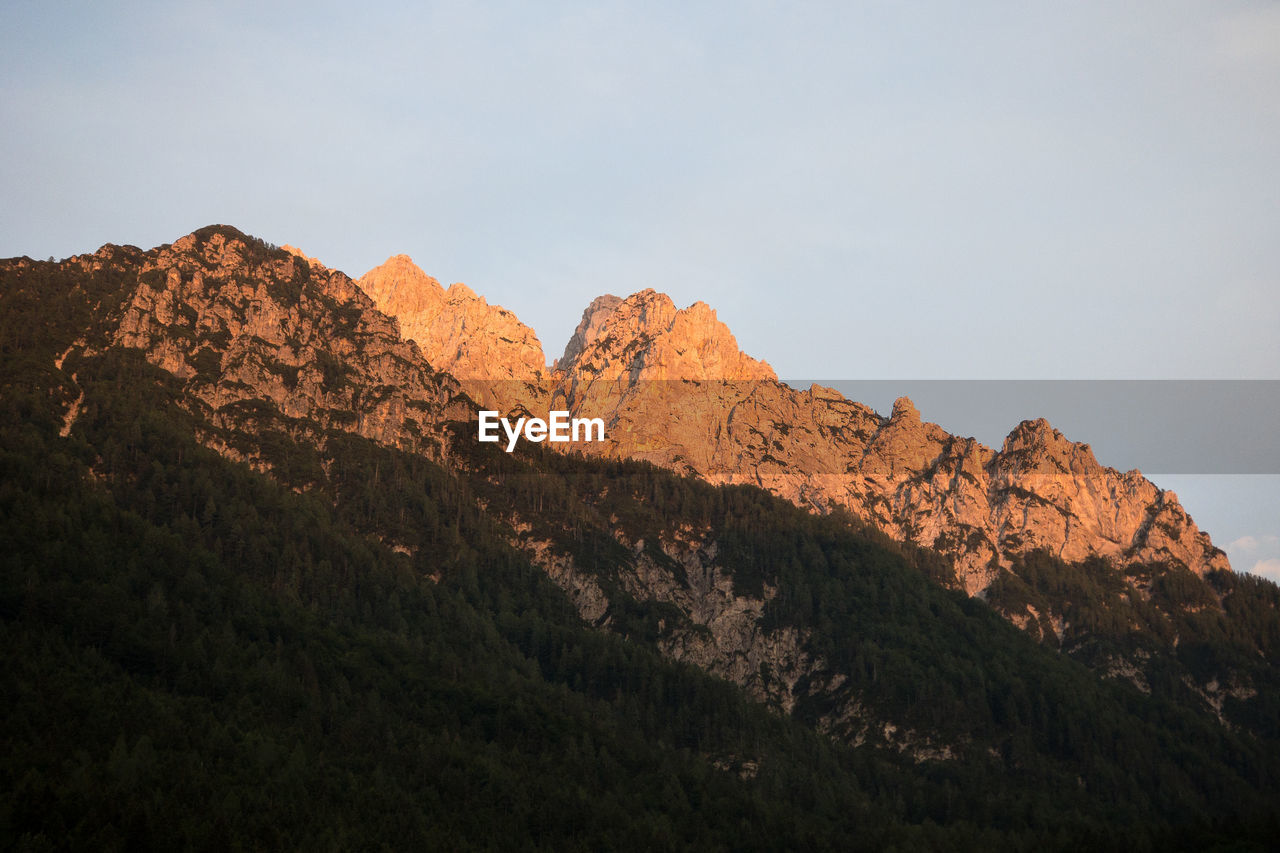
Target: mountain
{"x": 498, "y": 358}
{"x": 675, "y": 390}
{"x": 264, "y": 341}
{"x": 262, "y": 587}
{"x": 457, "y": 330}
{"x": 645, "y": 337}
{"x": 910, "y": 478}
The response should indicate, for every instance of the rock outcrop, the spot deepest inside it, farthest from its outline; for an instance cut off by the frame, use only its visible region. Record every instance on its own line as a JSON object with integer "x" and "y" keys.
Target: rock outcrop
{"x": 298, "y": 253}
{"x": 645, "y": 337}
{"x": 721, "y": 630}
{"x": 497, "y": 358}
{"x": 458, "y": 331}
{"x": 675, "y": 390}
{"x": 588, "y": 327}
{"x": 267, "y": 341}
{"x": 241, "y": 323}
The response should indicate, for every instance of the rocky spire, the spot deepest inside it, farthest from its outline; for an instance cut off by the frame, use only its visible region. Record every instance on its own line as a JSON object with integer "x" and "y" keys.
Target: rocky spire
{"x": 647, "y": 337}
{"x": 298, "y": 253}
{"x": 458, "y": 331}
{"x": 593, "y": 320}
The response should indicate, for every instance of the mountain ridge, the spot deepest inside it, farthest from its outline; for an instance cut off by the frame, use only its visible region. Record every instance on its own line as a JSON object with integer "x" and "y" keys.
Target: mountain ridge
{"x": 909, "y": 477}
{"x": 458, "y": 330}
{"x": 122, "y": 364}
{"x": 631, "y": 361}
{"x": 903, "y": 476}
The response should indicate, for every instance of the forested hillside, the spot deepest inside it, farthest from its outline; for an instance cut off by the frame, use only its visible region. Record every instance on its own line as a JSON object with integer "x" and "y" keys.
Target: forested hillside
{"x": 335, "y": 643}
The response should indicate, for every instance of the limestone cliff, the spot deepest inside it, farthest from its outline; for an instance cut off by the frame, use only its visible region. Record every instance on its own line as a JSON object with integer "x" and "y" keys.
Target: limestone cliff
{"x": 266, "y": 341}
{"x": 645, "y": 337}
{"x": 675, "y": 390}
{"x": 459, "y": 332}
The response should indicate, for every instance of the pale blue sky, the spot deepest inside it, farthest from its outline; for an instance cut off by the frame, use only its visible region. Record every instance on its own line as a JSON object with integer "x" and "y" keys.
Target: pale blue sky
{"x": 862, "y": 190}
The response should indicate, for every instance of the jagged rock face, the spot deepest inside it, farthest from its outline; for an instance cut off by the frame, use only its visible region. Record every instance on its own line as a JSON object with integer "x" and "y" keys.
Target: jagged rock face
{"x": 459, "y": 332}
{"x": 498, "y": 359}
{"x": 298, "y": 253}
{"x": 263, "y": 339}
{"x": 588, "y": 328}
{"x": 674, "y": 390}
{"x": 721, "y": 632}
{"x": 626, "y": 363}
{"x": 645, "y": 337}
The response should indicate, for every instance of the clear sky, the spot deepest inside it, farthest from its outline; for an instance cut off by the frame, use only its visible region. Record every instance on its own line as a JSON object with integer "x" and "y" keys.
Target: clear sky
{"x": 863, "y": 190}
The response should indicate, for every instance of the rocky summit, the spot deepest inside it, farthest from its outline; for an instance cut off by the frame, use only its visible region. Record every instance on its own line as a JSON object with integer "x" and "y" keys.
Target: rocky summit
{"x": 384, "y": 356}
{"x": 268, "y": 341}
{"x": 458, "y": 331}
{"x": 676, "y": 390}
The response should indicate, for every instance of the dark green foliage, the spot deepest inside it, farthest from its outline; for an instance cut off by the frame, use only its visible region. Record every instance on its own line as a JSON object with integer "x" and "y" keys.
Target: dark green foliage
{"x": 928, "y": 659}
{"x": 196, "y": 656}
{"x": 334, "y": 370}
{"x": 208, "y": 364}
{"x": 1177, "y": 630}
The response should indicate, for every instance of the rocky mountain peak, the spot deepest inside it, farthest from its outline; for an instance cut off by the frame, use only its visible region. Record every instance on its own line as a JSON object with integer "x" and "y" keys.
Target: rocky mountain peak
{"x": 218, "y": 246}
{"x": 727, "y": 418}
{"x": 904, "y": 409}
{"x": 401, "y": 289}
{"x": 647, "y": 338}
{"x": 298, "y": 253}
{"x": 458, "y": 331}
{"x": 263, "y": 341}
{"x": 459, "y": 293}
{"x": 1034, "y": 446}
{"x": 1031, "y": 433}
{"x": 588, "y": 330}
